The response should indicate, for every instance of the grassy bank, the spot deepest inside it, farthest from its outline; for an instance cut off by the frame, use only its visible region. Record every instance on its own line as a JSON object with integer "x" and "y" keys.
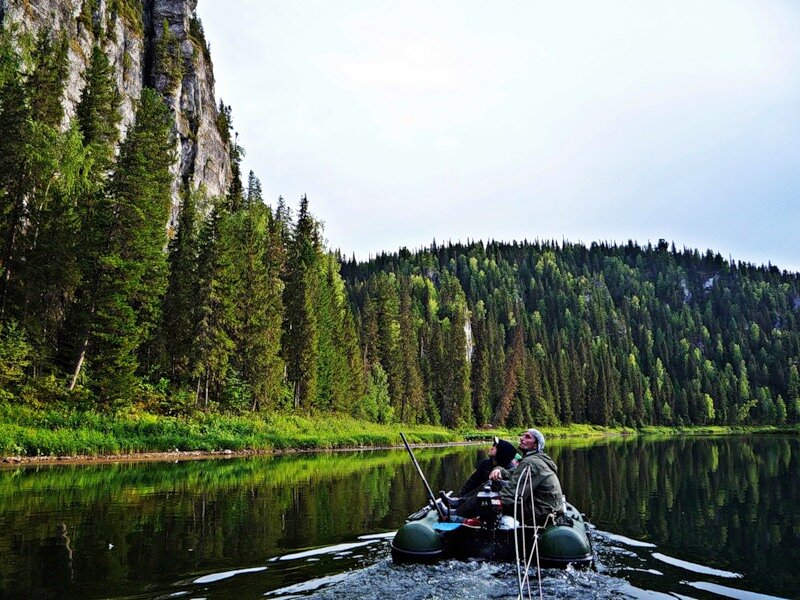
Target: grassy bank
{"x": 26, "y": 432}
{"x": 62, "y": 432}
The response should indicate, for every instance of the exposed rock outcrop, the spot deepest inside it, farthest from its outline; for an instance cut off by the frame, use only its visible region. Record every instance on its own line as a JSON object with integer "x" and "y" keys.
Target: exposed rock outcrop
{"x": 172, "y": 59}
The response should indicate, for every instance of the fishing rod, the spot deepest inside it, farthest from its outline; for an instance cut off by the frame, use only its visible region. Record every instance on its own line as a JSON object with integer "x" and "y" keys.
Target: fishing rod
{"x": 425, "y": 481}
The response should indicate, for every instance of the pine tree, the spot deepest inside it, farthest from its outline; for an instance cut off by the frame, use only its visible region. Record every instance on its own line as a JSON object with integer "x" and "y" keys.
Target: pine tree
{"x": 125, "y": 275}
{"x": 254, "y": 192}
{"x": 98, "y": 112}
{"x": 300, "y": 335}
{"x": 16, "y": 130}
{"x": 46, "y": 81}
{"x": 213, "y": 347}
{"x": 481, "y": 407}
{"x": 257, "y": 298}
{"x": 793, "y": 408}
{"x": 513, "y": 369}
{"x": 42, "y": 226}
{"x": 180, "y": 313}
{"x": 412, "y": 404}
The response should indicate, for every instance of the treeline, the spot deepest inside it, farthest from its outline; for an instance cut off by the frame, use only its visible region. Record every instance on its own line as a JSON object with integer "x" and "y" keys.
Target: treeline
{"x": 237, "y": 309}
{"x": 82, "y": 267}
{"x": 241, "y": 308}
{"x": 563, "y": 333}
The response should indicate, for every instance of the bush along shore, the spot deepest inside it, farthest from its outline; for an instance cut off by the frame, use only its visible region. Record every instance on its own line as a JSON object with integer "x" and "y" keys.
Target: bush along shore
{"x": 27, "y": 433}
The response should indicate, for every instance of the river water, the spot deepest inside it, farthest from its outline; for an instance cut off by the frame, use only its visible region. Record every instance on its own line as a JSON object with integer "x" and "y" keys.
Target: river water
{"x": 671, "y": 518}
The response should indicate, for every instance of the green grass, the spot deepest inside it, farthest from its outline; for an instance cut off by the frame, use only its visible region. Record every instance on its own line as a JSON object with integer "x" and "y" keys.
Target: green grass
{"x": 25, "y": 431}
{"x": 566, "y": 431}
{"x": 28, "y": 432}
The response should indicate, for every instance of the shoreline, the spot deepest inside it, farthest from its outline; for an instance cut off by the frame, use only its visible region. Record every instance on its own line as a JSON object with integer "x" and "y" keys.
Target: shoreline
{"x": 10, "y": 461}
{"x": 185, "y": 455}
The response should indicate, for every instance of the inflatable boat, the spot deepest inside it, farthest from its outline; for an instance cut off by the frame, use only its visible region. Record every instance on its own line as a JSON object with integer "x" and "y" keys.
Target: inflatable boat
{"x": 427, "y": 537}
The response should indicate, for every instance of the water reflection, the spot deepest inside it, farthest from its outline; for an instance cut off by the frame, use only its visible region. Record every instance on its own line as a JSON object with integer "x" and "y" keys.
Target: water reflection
{"x": 680, "y": 516}
{"x": 729, "y": 502}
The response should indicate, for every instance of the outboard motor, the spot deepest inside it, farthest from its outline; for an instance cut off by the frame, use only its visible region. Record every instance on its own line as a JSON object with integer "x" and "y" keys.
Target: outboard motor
{"x": 489, "y": 507}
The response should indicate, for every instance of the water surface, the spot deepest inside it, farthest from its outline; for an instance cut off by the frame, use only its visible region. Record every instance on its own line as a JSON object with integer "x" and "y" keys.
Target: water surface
{"x": 687, "y": 517}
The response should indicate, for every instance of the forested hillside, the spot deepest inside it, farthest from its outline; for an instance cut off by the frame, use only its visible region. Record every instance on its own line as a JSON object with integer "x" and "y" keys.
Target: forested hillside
{"x": 563, "y": 333}
{"x": 241, "y": 308}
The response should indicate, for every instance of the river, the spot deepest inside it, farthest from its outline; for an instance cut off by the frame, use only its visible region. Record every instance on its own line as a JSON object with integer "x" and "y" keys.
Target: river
{"x": 715, "y": 517}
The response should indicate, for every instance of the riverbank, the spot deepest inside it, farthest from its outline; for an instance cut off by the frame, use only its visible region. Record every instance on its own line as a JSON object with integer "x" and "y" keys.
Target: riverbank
{"x": 46, "y": 436}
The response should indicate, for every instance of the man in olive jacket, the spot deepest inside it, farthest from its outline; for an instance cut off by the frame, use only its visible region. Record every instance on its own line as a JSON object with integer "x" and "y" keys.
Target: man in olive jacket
{"x": 544, "y": 487}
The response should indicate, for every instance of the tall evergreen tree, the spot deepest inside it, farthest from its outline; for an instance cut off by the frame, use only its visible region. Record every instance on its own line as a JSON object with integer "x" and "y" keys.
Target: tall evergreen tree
{"x": 257, "y": 298}
{"x": 300, "y": 335}
{"x": 180, "y": 313}
{"x": 16, "y": 130}
{"x": 125, "y": 275}
{"x": 98, "y": 112}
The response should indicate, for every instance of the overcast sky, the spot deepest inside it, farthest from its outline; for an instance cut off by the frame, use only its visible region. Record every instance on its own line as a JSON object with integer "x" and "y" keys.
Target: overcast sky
{"x": 407, "y": 121}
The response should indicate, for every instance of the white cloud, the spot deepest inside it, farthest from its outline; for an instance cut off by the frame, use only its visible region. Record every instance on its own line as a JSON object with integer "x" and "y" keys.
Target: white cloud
{"x": 409, "y": 120}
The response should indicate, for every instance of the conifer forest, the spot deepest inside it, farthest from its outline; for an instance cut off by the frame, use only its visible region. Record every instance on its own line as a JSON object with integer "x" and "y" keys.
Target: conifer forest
{"x": 241, "y": 307}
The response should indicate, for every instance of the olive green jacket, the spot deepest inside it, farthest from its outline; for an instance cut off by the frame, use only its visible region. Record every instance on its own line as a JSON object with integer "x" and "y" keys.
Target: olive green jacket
{"x": 544, "y": 486}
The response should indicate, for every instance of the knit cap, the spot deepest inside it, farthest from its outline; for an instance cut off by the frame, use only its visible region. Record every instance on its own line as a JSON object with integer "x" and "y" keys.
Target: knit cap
{"x": 505, "y": 453}
{"x": 539, "y": 438}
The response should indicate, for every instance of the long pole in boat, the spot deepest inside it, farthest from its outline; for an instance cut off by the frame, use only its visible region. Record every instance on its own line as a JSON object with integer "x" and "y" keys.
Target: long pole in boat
{"x": 425, "y": 481}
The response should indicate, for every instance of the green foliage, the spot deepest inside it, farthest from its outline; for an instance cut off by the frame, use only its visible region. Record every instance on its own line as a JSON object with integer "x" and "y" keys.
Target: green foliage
{"x": 300, "y": 337}
{"x": 198, "y": 35}
{"x": 98, "y": 113}
{"x": 180, "y": 308}
{"x": 168, "y": 57}
{"x": 223, "y": 122}
{"x": 47, "y": 78}
{"x": 125, "y": 268}
{"x": 376, "y": 405}
{"x": 253, "y": 315}
{"x": 89, "y": 17}
{"x": 603, "y": 334}
{"x": 61, "y": 432}
{"x": 15, "y": 354}
{"x": 129, "y": 10}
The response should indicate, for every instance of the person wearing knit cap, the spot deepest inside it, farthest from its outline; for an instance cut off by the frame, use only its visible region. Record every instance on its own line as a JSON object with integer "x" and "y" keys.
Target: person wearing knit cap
{"x": 543, "y": 491}
{"x": 501, "y": 454}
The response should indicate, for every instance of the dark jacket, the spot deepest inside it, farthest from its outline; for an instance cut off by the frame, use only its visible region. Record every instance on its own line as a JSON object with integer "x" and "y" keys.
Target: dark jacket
{"x": 504, "y": 458}
{"x": 478, "y": 477}
{"x": 544, "y": 487}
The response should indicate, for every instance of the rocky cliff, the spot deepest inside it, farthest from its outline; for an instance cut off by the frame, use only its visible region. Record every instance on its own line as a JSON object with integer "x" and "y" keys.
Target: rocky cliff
{"x": 155, "y": 43}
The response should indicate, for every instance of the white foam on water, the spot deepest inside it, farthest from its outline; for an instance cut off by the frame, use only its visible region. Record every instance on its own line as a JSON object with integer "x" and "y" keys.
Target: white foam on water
{"x": 378, "y": 536}
{"x": 325, "y": 550}
{"x": 305, "y": 586}
{"x": 226, "y": 575}
{"x": 730, "y": 592}
{"x": 626, "y": 540}
{"x": 694, "y": 567}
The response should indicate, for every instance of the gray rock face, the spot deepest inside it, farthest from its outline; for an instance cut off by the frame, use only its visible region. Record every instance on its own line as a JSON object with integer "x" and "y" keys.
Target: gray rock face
{"x": 130, "y": 39}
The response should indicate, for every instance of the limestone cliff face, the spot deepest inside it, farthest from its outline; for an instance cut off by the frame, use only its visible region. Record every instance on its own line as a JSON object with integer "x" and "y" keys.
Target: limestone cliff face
{"x": 156, "y": 43}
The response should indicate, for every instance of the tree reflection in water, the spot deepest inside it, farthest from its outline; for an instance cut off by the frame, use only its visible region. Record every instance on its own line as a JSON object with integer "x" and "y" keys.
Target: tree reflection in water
{"x": 730, "y": 503}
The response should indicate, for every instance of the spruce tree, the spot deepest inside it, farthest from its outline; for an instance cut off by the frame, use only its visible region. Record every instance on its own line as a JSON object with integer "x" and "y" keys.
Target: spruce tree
{"x": 300, "y": 335}
{"x": 257, "y": 298}
{"x": 16, "y": 130}
{"x": 213, "y": 348}
{"x": 98, "y": 112}
{"x": 125, "y": 275}
{"x": 46, "y": 81}
{"x": 179, "y": 318}
{"x": 412, "y": 405}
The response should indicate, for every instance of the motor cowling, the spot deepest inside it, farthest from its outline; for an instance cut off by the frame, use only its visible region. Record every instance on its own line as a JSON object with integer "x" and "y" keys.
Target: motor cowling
{"x": 489, "y": 507}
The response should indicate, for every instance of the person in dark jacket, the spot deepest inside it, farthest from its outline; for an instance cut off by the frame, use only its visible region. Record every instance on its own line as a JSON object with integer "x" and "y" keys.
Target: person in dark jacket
{"x": 501, "y": 454}
{"x": 543, "y": 491}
